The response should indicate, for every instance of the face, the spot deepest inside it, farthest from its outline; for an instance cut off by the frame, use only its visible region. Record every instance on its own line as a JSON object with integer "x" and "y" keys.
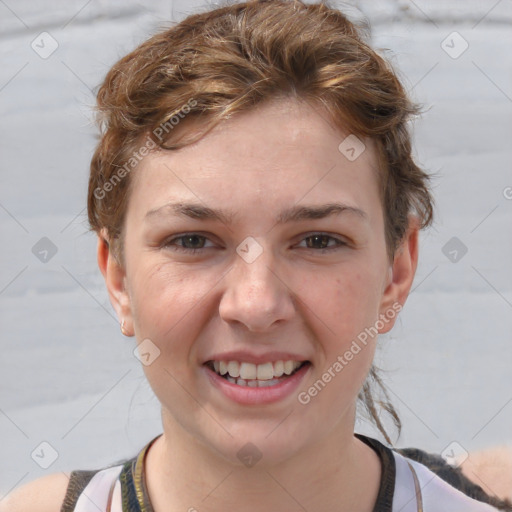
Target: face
{"x": 260, "y": 243}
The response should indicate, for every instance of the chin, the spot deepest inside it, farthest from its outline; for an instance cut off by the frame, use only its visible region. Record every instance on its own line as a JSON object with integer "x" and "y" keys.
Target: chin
{"x": 260, "y": 444}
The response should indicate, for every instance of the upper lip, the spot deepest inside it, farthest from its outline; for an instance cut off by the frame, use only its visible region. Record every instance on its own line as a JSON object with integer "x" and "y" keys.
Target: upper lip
{"x": 249, "y": 357}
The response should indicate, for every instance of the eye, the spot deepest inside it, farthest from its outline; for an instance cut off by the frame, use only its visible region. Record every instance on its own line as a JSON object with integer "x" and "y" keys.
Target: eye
{"x": 320, "y": 241}
{"x": 193, "y": 243}
{"x": 189, "y": 242}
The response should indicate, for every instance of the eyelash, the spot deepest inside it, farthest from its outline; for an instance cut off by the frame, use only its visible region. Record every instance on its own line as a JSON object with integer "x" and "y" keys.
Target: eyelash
{"x": 169, "y": 243}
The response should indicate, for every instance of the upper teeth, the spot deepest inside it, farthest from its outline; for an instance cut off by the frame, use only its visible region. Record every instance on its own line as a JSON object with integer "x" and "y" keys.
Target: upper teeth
{"x": 249, "y": 371}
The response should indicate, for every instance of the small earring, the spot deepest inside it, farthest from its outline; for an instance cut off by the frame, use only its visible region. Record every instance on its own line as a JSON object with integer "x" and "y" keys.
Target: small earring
{"x": 122, "y": 328}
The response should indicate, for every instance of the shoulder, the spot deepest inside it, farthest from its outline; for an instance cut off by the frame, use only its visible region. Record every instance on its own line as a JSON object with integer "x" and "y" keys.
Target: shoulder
{"x": 45, "y": 494}
{"x": 469, "y": 483}
{"x": 492, "y": 469}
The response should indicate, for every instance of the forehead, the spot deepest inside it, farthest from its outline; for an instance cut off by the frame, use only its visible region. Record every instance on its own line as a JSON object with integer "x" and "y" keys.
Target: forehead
{"x": 283, "y": 151}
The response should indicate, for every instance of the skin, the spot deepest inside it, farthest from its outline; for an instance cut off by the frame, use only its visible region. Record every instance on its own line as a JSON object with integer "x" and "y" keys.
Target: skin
{"x": 294, "y": 297}
{"x": 491, "y": 469}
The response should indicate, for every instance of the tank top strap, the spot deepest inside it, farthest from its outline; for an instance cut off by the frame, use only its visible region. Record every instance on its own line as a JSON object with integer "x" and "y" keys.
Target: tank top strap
{"x": 139, "y": 478}
{"x": 407, "y": 496}
{"x": 418, "y": 489}
{"x": 103, "y": 492}
{"x": 115, "y": 500}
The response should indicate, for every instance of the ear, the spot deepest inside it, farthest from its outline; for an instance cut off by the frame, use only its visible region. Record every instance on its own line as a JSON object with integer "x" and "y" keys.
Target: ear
{"x": 115, "y": 280}
{"x": 401, "y": 276}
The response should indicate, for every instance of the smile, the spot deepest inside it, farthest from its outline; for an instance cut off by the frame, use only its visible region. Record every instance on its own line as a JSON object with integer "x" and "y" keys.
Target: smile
{"x": 264, "y": 383}
{"x": 255, "y": 375}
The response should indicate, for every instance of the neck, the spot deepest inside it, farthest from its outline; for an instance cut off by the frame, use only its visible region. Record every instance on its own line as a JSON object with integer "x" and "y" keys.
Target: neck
{"x": 337, "y": 473}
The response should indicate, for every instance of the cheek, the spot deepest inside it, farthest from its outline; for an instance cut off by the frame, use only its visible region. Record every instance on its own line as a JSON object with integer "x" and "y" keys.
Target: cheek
{"x": 352, "y": 303}
{"x": 166, "y": 301}
{"x": 346, "y": 312}
{"x": 167, "y": 310}
{"x": 349, "y": 347}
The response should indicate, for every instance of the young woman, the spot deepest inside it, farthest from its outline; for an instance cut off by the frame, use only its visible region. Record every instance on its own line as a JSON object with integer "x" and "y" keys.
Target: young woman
{"x": 257, "y": 209}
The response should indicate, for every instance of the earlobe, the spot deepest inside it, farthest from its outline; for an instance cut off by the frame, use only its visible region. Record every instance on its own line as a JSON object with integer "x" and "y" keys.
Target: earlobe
{"x": 114, "y": 275}
{"x": 401, "y": 275}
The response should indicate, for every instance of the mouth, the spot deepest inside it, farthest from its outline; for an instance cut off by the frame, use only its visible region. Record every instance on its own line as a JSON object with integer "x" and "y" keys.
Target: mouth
{"x": 251, "y": 375}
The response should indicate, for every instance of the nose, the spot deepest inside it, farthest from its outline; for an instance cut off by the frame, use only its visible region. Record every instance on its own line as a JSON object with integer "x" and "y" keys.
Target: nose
{"x": 256, "y": 294}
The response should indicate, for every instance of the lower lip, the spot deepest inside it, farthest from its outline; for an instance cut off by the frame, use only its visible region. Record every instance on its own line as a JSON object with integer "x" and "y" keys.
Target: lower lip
{"x": 255, "y": 396}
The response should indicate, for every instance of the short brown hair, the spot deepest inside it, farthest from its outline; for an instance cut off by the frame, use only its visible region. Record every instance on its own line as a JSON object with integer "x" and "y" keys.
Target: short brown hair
{"x": 217, "y": 63}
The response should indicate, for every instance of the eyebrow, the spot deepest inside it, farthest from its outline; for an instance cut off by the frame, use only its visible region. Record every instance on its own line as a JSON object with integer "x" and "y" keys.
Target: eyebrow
{"x": 293, "y": 214}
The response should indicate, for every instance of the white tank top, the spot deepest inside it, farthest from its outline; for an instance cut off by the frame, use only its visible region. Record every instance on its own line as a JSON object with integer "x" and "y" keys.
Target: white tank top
{"x": 417, "y": 489}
